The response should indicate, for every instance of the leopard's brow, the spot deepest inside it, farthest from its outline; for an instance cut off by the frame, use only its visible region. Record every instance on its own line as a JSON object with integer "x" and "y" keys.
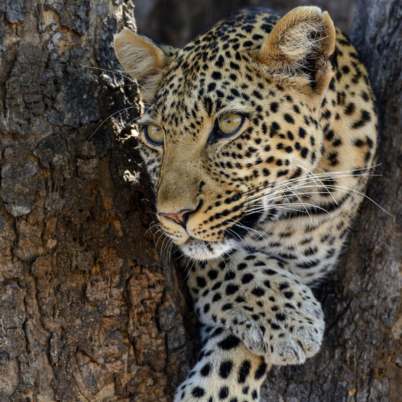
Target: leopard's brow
{"x": 147, "y": 119}
{"x": 235, "y": 107}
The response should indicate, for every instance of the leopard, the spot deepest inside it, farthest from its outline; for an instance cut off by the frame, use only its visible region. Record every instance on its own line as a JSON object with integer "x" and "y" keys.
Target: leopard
{"x": 259, "y": 137}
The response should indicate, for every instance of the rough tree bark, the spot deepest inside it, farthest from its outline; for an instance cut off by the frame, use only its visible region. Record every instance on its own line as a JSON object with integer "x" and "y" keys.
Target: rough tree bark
{"x": 87, "y": 310}
{"x": 362, "y": 355}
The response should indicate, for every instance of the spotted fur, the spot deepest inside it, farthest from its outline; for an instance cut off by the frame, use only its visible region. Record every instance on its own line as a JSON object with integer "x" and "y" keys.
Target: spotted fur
{"x": 263, "y": 213}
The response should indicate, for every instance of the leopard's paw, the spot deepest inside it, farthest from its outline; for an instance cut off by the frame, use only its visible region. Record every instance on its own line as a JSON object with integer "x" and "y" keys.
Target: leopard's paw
{"x": 284, "y": 333}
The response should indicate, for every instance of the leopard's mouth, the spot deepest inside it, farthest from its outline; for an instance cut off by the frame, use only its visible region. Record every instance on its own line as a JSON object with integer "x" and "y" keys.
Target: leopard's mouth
{"x": 202, "y": 250}
{"x": 199, "y": 249}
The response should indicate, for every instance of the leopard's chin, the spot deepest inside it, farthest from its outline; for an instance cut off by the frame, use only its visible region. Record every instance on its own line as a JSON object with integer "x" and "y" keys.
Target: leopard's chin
{"x": 201, "y": 250}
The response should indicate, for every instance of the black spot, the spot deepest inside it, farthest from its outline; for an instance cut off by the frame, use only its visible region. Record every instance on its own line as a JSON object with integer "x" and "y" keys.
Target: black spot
{"x": 225, "y": 369}
{"x": 205, "y": 370}
{"x": 231, "y": 289}
{"x": 242, "y": 266}
{"x": 223, "y": 392}
{"x": 234, "y": 66}
{"x": 258, "y": 292}
{"x": 280, "y": 317}
{"x": 244, "y": 371}
{"x": 365, "y": 96}
{"x": 275, "y": 326}
{"x": 257, "y": 94}
{"x": 304, "y": 152}
{"x": 246, "y": 278}
{"x": 350, "y": 108}
{"x": 266, "y": 27}
{"x": 235, "y": 92}
{"x": 240, "y": 299}
{"x": 274, "y": 128}
{"x": 288, "y": 295}
{"x": 230, "y": 275}
{"x": 289, "y": 118}
{"x": 330, "y": 135}
{"x": 274, "y": 107}
{"x": 216, "y": 297}
{"x": 326, "y": 114}
{"x": 211, "y": 86}
{"x": 220, "y": 62}
{"x": 229, "y": 342}
{"x": 212, "y": 274}
{"x": 216, "y": 75}
{"x": 208, "y": 105}
{"x": 308, "y": 264}
{"x": 359, "y": 143}
{"x": 201, "y": 282}
{"x": 261, "y": 370}
{"x": 364, "y": 119}
{"x": 198, "y": 392}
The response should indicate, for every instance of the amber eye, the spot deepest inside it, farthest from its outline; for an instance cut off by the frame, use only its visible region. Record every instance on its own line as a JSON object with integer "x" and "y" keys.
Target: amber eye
{"x": 227, "y": 125}
{"x": 153, "y": 134}
{"x": 230, "y": 123}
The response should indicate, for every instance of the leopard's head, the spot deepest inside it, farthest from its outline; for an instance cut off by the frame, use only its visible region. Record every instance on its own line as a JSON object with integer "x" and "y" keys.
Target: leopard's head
{"x": 230, "y": 119}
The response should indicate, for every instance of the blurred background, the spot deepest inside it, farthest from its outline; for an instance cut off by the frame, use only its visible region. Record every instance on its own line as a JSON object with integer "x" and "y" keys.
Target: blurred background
{"x": 175, "y": 22}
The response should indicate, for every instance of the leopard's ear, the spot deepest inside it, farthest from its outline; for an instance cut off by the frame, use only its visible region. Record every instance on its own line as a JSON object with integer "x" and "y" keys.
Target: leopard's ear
{"x": 141, "y": 59}
{"x": 298, "y": 49}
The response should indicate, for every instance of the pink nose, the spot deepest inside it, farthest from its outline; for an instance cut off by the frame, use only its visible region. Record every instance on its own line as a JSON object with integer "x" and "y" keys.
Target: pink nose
{"x": 180, "y": 217}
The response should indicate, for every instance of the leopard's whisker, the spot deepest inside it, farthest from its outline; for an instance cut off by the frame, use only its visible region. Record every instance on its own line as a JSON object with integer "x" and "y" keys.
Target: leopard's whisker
{"x": 99, "y": 126}
{"x": 113, "y": 71}
{"x": 323, "y": 175}
{"x": 247, "y": 228}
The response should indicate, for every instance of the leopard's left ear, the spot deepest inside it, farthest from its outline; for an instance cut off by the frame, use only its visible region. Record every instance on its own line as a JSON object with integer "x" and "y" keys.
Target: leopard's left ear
{"x": 142, "y": 59}
{"x": 298, "y": 49}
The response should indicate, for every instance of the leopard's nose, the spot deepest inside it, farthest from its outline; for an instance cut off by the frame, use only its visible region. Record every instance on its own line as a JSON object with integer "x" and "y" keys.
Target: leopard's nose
{"x": 180, "y": 217}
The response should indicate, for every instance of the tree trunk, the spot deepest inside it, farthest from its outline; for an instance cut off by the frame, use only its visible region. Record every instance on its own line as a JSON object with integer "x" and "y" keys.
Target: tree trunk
{"x": 362, "y": 355}
{"x": 87, "y": 312}
{"x": 85, "y": 309}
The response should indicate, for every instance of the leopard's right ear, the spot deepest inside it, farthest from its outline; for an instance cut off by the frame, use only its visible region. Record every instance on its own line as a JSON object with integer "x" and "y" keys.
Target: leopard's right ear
{"x": 141, "y": 59}
{"x": 298, "y": 49}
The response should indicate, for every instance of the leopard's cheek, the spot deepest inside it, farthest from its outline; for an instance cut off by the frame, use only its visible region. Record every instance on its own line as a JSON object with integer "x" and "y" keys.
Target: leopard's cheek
{"x": 152, "y": 160}
{"x": 201, "y": 227}
{"x": 212, "y": 223}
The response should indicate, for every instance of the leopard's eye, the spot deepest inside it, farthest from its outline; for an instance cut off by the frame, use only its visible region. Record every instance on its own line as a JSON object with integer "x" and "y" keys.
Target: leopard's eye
{"x": 230, "y": 123}
{"x": 226, "y": 126}
{"x": 153, "y": 134}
